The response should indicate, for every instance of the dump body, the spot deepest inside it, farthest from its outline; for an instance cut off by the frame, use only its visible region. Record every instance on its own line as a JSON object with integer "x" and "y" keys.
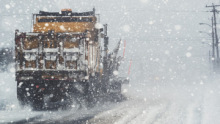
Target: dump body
{"x": 62, "y": 46}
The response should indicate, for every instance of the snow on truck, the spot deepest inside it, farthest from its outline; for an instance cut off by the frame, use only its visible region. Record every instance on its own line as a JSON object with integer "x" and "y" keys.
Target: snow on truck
{"x": 62, "y": 59}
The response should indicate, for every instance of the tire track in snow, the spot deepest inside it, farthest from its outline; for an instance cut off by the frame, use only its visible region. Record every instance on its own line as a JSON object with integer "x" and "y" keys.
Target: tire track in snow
{"x": 156, "y": 113}
{"x": 131, "y": 114}
{"x": 163, "y": 111}
{"x": 134, "y": 114}
{"x": 174, "y": 114}
{"x": 73, "y": 115}
{"x": 183, "y": 112}
{"x": 133, "y": 111}
{"x": 117, "y": 114}
{"x": 28, "y": 120}
{"x": 148, "y": 115}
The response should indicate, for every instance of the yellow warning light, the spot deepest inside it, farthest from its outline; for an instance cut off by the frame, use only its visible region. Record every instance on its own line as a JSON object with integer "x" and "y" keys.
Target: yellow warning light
{"x": 66, "y": 10}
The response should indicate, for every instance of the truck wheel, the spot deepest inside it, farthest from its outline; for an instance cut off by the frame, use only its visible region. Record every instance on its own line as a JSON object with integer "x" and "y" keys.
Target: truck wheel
{"x": 116, "y": 96}
{"x": 21, "y": 96}
{"x": 38, "y": 102}
{"x": 118, "y": 88}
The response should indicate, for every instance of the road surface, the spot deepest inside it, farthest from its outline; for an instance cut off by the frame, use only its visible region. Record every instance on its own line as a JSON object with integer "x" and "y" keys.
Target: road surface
{"x": 191, "y": 103}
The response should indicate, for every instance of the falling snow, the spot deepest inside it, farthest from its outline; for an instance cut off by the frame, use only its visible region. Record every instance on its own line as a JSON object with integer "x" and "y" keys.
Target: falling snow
{"x": 169, "y": 64}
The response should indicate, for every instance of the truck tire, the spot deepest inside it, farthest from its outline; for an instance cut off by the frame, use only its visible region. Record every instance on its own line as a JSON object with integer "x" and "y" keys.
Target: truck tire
{"x": 38, "y": 102}
{"x": 21, "y": 96}
{"x": 116, "y": 95}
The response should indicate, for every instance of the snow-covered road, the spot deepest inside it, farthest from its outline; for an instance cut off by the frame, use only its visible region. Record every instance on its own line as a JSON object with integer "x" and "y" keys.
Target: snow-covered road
{"x": 138, "y": 111}
{"x": 155, "y": 103}
{"x": 132, "y": 111}
{"x": 199, "y": 106}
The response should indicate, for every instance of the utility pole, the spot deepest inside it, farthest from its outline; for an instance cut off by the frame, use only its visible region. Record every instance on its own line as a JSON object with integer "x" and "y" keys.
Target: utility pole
{"x": 213, "y": 40}
{"x": 215, "y": 28}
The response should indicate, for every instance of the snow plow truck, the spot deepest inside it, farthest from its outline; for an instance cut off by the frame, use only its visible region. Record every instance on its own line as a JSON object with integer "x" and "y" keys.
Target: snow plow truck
{"x": 65, "y": 57}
